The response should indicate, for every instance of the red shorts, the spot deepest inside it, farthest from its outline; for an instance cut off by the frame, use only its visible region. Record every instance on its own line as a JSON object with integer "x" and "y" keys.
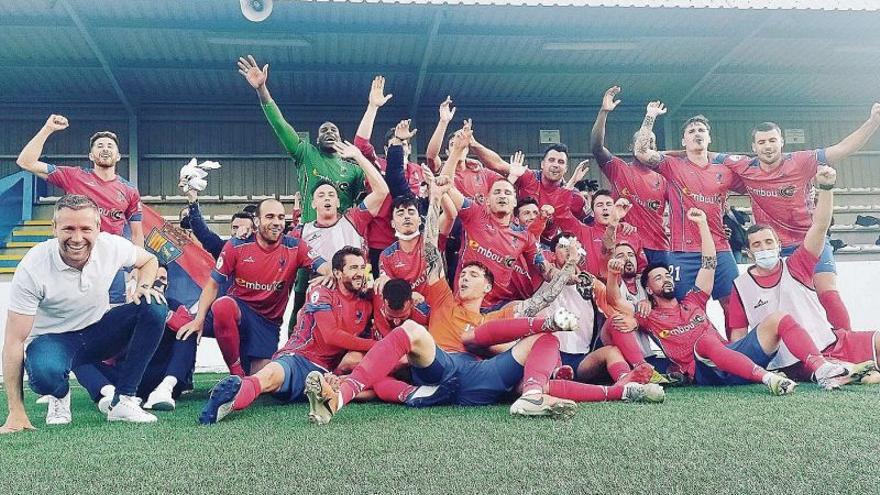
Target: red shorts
{"x": 852, "y": 347}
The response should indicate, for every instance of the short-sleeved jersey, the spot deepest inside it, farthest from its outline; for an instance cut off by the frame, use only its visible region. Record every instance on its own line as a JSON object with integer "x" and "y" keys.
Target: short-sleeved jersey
{"x": 382, "y": 325}
{"x": 118, "y": 200}
{"x": 496, "y": 246}
{"x": 801, "y": 264}
{"x": 262, "y": 278}
{"x": 475, "y": 181}
{"x": 646, "y": 190}
{"x": 783, "y": 197}
{"x": 696, "y": 186}
{"x": 526, "y": 277}
{"x": 590, "y": 236}
{"x": 677, "y": 329}
{"x": 350, "y": 314}
{"x": 314, "y": 165}
{"x": 449, "y": 319}
{"x": 397, "y": 263}
{"x": 530, "y": 185}
{"x": 350, "y": 230}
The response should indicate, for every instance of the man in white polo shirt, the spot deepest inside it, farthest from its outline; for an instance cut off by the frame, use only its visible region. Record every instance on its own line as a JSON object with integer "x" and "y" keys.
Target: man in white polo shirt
{"x": 59, "y": 314}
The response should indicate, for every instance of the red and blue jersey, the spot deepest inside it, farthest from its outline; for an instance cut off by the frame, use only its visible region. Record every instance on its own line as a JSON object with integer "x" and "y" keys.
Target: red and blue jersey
{"x": 383, "y": 325}
{"x": 646, "y": 190}
{"x": 530, "y": 185}
{"x": 697, "y": 186}
{"x": 783, "y": 197}
{"x": 330, "y": 324}
{"x": 397, "y": 263}
{"x": 496, "y": 246}
{"x": 118, "y": 200}
{"x": 261, "y": 277}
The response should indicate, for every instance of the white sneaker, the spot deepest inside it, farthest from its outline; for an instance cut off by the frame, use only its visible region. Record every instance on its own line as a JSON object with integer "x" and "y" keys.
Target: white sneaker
{"x": 104, "y": 404}
{"x": 59, "y": 411}
{"x": 160, "y": 399}
{"x": 128, "y": 409}
{"x": 43, "y": 399}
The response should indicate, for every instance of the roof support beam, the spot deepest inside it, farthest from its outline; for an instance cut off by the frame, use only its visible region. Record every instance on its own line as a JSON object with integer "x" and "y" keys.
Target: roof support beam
{"x": 426, "y": 58}
{"x": 718, "y": 63}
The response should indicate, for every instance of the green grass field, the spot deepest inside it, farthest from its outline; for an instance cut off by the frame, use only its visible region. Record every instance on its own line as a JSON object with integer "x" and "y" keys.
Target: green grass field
{"x": 734, "y": 440}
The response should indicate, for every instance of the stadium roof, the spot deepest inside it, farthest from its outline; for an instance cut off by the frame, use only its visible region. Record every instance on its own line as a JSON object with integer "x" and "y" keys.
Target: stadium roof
{"x": 166, "y": 51}
{"x": 691, "y": 4}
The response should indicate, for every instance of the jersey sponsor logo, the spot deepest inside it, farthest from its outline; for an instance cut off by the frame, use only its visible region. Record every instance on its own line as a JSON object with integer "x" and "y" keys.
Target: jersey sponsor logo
{"x": 249, "y": 259}
{"x": 711, "y": 199}
{"x": 682, "y": 329}
{"x": 114, "y": 213}
{"x": 167, "y": 243}
{"x": 783, "y": 192}
{"x": 760, "y": 303}
{"x": 653, "y": 204}
{"x": 491, "y": 255}
{"x": 270, "y": 287}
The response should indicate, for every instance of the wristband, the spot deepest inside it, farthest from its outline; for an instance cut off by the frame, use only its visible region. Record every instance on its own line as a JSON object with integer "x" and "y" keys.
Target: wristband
{"x": 825, "y": 187}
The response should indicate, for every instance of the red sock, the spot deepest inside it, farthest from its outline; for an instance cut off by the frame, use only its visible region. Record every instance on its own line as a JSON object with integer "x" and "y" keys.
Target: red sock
{"x": 800, "y": 343}
{"x": 584, "y": 392}
{"x": 627, "y": 343}
{"x": 377, "y": 364}
{"x": 250, "y": 390}
{"x": 501, "y": 331}
{"x": 226, "y": 318}
{"x": 540, "y": 363}
{"x": 711, "y": 347}
{"x": 835, "y": 310}
{"x": 391, "y": 390}
{"x": 617, "y": 369}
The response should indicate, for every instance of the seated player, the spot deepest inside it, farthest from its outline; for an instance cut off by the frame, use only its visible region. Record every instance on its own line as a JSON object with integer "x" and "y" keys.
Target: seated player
{"x": 329, "y": 325}
{"x": 691, "y": 342}
{"x": 444, "y": 373}
{"x": 779, "y": 292}
{"x": 168, "y": 373}
{"x": 260, "y": 271}
{"x": 60, "y": 308}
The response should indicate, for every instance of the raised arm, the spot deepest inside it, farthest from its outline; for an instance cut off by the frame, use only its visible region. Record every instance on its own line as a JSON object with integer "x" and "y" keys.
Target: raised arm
{"x": 459, "y": 149}
{"x": 708, "y": 261}
{"x": 489, "y": 158}
{"x": 378, "y": 186}
{"x": 432, "y": 151}
{"x": 597, "y": 136}
{"x": 814, "y": 242}
{"x": 257, "y": 78}
{"x": 29, "y": 158}
{"x": 642, "y": 149}
{"x": 549, "y": 291}
{"x": 18, "y": 327}
{"x": 855, "y": 141}
{"x": 376, "y": 101}
{"x": 431, "y": 250}
{"x": 612, "y": 288}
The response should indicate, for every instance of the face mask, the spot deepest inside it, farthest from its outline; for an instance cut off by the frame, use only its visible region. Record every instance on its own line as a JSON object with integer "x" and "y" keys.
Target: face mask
{"x": 767, "y": 259}
{"x": 406, "y": 237}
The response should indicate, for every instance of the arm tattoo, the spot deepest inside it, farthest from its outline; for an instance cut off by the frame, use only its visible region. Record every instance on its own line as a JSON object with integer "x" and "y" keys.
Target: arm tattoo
{"x": 648, "y": 123}
{"x": 546, "y": 294}
{"x": 709, "y": 262}
{"x": 433, "y": 259}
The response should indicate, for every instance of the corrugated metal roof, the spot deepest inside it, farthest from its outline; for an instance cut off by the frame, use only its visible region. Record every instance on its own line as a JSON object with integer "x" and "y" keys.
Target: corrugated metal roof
{"x": 694, "y": 4}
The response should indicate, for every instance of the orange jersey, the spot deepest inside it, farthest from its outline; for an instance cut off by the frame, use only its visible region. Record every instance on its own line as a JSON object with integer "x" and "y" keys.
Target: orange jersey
{"x": 449, "y": 319}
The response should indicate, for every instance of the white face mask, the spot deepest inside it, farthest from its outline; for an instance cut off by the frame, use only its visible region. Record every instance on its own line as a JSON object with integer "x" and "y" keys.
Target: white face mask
{"x": 767, "y": 259}
{"x": 406, "y": 237}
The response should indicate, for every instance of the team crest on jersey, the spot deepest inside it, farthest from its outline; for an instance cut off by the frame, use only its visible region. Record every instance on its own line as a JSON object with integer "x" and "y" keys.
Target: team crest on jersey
{"x": 315, "y": 297}
{"x": 120, "y": 196}
{"x": 358, "y": 316}
{"x": 219, "y": 263}
{"x": 719, "y": 177}
{"x": 166, "y": 243}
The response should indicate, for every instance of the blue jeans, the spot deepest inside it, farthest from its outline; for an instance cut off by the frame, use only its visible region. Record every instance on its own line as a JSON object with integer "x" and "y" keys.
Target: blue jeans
{"x": 130, "y": 328}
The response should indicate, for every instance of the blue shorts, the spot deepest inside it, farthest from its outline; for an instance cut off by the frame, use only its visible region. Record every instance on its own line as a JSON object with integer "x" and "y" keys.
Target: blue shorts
{"x": 684, "y": 268}
{"x": 259, "y": 336}
{"x": 573, "y": 360}
{"x": 296, "y": 368}
{"x": 477, "y": 382}
{"x": 748, "y": 345}
{"x": 826, "y": 262}
{"x": 656, "y": 256}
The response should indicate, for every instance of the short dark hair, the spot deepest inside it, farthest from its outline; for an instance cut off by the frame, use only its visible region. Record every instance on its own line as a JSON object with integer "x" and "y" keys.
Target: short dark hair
{"x": 696, "y": 119}
{"x": 250, "y": 209}
{"x": 648, "y": 269}
{"x": 765, "y": 127}
{"x": 524, "y": 202}
{"x": 243, "y": 215}
{"x": 338, "y": 261}
{"x": 103, "y": 134}
{"x": 323, "y": 182}
{"x": 397, "y": 292}
{"x": 555, "y": 147}
{"x": 260, "y": 205}
{"x": 757, "y": 228}
{"x": 406, "y": 201}
{"x": 600, "y": 192}
{"x": 486, "y": 273}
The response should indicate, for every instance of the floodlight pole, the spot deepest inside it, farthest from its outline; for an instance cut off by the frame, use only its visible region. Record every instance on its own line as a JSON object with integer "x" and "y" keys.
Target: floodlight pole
{"x": 132, "y": 114}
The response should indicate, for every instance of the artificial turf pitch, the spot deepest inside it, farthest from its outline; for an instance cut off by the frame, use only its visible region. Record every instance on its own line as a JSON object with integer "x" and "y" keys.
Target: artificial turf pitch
{"x": 701, "y": 440}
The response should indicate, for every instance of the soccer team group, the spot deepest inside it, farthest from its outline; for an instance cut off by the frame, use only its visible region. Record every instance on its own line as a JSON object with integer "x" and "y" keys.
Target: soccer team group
{"x": 469, "y": 280}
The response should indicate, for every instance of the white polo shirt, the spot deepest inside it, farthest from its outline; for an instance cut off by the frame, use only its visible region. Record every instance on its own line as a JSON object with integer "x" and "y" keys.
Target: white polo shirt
{"x": 62, "y": 298}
